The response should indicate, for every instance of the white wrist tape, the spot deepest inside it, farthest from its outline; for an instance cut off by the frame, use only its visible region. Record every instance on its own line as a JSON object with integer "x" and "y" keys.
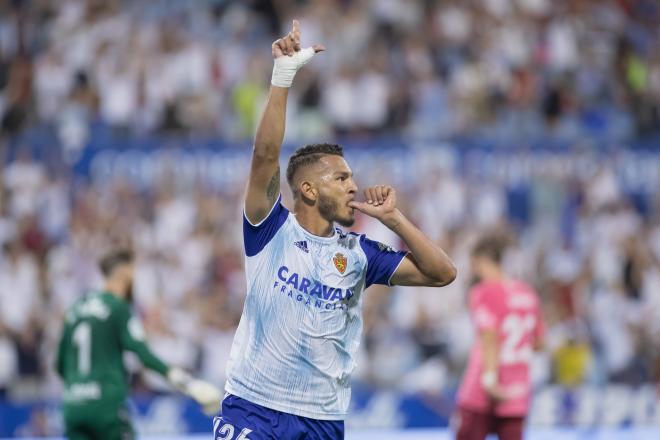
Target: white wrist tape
{"x": 488, "y": 379}
{"x": 285, "y": 67}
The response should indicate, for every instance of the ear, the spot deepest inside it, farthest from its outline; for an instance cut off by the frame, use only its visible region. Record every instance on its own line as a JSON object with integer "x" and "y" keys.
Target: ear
{"x": 308, "y": 190}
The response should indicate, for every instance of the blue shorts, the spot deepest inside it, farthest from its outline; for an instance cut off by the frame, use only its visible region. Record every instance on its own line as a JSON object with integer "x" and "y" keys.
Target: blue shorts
{"x": 244, "y": 420}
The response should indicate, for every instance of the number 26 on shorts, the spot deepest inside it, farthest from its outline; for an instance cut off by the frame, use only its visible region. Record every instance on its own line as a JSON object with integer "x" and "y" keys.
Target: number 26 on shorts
{"x": 225, "y": 431}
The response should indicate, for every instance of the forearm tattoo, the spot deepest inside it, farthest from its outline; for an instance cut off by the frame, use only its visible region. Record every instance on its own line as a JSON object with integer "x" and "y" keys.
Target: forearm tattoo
{"x": 272, "y": 191}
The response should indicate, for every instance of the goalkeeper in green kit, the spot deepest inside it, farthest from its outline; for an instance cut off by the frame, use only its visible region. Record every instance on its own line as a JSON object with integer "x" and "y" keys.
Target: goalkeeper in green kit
{"x": 98, "y": 328}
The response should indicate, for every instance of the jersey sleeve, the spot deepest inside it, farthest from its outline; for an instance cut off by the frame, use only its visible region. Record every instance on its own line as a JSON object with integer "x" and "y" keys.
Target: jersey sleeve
{"x": 382, "y": 261}
{"x": 483, "y": 309}
{"x": 257, "y": 236}
{"x": 132, "y": 338}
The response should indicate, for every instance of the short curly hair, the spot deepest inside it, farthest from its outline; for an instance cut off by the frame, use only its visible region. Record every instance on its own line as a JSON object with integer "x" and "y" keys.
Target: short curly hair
{"x": 308, "y": 155}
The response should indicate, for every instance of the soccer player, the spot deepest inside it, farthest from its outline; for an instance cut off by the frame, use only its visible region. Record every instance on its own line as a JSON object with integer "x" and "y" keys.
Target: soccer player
{"x": 495, "y": 393}
{"x": 98, "y": 328}
{"x": 294, "y": 350}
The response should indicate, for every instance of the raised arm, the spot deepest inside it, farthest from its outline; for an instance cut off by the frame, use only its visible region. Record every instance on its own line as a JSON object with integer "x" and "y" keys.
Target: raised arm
{"x": 264, "y": 182}
{"x": 427, "y": 264}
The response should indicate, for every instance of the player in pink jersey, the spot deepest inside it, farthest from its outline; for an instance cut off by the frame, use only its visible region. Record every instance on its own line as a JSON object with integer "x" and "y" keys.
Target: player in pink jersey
{"x": 495, "y": 394}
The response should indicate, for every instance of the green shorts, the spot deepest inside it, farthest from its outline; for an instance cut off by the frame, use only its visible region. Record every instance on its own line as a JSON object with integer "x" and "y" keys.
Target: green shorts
{"x": 97, "y": 420}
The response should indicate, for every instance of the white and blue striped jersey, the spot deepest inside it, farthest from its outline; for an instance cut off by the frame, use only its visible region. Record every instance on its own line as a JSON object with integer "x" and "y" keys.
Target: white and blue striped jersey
{"x": 296, "y": 343}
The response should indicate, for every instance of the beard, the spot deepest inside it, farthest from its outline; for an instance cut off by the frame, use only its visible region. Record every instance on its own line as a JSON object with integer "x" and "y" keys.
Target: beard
{"x": 329, "y": 210}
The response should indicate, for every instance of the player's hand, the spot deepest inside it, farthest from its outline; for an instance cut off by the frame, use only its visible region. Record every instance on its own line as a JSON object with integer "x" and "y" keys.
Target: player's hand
{"x": 496, "y": 393}
{"x": 289, "y": 57}
{"x": 289, "y": 44}
{"x": 380, "y": 203}
{"x": 207, "y": 395}
{"x": 178, "y": 378}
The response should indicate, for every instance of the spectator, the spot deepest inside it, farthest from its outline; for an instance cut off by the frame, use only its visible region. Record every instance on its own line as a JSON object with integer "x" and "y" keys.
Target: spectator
{"x": 425, "y": 71}
{"x": 488, "y": 68}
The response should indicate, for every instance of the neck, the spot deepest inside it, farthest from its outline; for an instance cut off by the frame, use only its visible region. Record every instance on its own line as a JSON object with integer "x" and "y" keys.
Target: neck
{"x": 115, "y": 288}
{"x": 311, "y": 221}
{"x": 494, "y": 273}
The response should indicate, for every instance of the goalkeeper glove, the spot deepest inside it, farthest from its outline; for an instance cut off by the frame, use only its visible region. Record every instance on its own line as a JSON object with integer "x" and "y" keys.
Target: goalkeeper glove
{"x": 207, "y": 395}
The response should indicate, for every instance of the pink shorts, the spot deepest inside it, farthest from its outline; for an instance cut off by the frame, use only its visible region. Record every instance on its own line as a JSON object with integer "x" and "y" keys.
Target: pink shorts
{"x": 476, "y": 426}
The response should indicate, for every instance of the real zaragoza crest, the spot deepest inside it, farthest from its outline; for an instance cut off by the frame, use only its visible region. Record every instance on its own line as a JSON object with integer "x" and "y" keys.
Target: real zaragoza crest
{"x": 340, "y": 262}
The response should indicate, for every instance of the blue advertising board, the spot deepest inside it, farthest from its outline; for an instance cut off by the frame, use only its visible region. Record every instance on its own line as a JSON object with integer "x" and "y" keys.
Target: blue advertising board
{"x": 612, "y": 407}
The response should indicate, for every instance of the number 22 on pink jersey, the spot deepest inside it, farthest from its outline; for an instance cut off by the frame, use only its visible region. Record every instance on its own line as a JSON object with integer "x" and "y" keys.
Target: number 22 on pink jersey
{"x": 517, "y": 346}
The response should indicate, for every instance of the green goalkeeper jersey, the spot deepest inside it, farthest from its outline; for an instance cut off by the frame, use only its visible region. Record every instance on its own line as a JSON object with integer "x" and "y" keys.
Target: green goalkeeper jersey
{"x": 97, "y": 330}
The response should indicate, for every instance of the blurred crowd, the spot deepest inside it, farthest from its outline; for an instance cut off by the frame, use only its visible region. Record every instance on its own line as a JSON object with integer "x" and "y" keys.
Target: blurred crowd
{"x": 590, "y": 249}
{"x": 568, "y": 70}
{"x": 423, "y": 70}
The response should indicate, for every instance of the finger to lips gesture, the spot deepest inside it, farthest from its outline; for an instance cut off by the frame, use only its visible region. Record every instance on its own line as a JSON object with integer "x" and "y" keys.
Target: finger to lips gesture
{"x": 380, "y": 200}
{"x": 377, "y": 194}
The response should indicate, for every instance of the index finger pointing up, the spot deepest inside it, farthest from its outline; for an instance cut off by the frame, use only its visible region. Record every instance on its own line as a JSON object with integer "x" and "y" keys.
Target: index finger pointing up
{"x": 296, "y": 34}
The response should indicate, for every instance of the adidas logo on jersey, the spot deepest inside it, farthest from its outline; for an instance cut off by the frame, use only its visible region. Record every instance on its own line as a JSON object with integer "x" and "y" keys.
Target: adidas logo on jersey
{"x": 302, "y": 245}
